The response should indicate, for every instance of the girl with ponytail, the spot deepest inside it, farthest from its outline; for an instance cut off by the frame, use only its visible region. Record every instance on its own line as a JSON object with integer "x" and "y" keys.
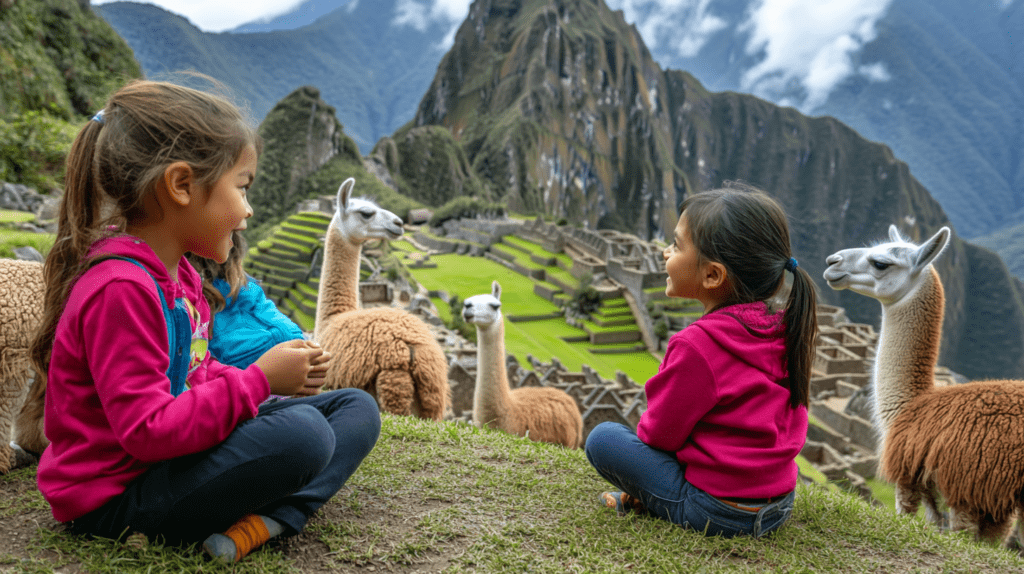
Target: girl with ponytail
{"x": 148, "y": 432}
{"x": 727, "y": 412}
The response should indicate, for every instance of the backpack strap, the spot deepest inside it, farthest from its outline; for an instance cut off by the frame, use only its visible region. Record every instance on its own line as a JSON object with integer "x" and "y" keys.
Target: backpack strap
{"x": 179, "y": 329}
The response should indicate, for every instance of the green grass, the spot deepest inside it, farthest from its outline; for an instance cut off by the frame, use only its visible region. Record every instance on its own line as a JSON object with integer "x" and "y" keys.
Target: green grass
{"x": 10, "y": 239}
{"x": 468, "y": 276}
{"x": 451, "y": 497}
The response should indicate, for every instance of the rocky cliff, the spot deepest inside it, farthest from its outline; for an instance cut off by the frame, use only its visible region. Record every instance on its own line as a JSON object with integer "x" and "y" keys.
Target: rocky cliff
{"x": 560, "y": 109}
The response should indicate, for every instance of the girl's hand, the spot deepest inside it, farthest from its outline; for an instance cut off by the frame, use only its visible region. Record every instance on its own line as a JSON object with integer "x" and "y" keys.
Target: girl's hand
{"x": 287, "y": 365}
{"x": 317, "y": 375}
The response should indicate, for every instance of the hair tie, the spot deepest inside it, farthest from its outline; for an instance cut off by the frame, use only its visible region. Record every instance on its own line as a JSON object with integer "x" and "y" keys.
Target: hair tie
{"x": 98, "y": 118}
{"x": 792, "y": 264}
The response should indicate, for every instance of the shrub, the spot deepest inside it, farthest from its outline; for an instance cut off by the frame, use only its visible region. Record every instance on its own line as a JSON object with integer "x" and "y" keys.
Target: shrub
{"x": 33, "y": 147}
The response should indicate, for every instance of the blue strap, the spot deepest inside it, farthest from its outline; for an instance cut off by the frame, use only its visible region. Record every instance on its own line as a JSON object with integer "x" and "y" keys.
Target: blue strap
{"x": 179, "y": 332}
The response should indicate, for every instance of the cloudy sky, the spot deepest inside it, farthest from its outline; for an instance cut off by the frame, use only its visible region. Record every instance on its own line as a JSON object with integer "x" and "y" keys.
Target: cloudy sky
{"x": 810, "y": 42}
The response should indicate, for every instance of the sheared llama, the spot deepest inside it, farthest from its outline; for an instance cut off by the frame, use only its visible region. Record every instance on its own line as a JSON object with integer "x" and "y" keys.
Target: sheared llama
{"x": 385, "y": 351}
{"x": 539, "y": 413}
{"x": 966, "y": 441}
{"x": 21, "y": 306}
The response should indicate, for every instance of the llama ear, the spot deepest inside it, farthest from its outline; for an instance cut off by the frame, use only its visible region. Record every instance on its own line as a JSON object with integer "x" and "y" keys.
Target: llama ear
{"x": 894, "y": 234}
{"x": 931, "y": 249}
{"x": 496, "y": 290}
{"x": 344, "y": 192}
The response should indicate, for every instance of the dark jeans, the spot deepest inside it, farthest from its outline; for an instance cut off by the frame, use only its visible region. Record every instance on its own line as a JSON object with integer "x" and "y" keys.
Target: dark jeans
{"x": 655, "y": 477}
{"x": 285, "y": 463}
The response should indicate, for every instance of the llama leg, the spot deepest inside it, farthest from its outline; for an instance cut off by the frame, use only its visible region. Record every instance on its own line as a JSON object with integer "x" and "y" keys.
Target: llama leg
{"x": 14, "y": 383}
{"x": 1015, "y": 536}
{"x": 991, "y": 529}
{"x": 962, "y": 519}
{"x": 907, "y": 500}
{"x": 931, "y": 509}
{"x": 395, "y": 392}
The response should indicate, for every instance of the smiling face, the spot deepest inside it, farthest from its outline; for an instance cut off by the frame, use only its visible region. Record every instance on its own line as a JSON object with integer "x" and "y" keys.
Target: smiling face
{"x": 224, "y": 210}
{"x": 682, "y": 264}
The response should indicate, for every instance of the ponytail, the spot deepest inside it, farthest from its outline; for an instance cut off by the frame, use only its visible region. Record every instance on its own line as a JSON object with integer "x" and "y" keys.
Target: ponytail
{"x": 79, "y": 211}
{"x": 801, "y": 323}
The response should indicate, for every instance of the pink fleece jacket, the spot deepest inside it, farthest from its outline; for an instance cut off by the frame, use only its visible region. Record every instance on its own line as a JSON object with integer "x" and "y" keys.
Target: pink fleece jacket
{"x": 717, "y": 402}
{"x": 109, "y": 411}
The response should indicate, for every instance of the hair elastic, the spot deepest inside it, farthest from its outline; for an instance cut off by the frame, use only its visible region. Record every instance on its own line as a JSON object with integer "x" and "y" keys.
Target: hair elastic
{"x": 98, "y": 118}
{"x": 792, "y": 264}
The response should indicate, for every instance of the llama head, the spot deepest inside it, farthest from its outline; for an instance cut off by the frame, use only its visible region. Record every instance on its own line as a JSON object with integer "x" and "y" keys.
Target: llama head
{"x": 359, "y": 220}
{"x": 886, "y": 271}
{"x": 483, "y": 310}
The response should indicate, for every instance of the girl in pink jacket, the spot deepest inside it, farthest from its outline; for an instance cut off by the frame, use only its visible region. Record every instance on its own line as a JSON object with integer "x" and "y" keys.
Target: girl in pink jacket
{"x": 148, "y": 433}
{"x": 727, "y": 412}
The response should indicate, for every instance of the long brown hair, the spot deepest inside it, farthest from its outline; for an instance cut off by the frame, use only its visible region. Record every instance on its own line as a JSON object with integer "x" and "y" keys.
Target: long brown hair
{"x": 114, "y": 164}
{"x": 745, "y": 230}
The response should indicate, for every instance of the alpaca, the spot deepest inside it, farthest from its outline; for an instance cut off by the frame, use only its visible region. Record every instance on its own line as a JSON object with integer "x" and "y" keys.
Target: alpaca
{"x": 539, "y": 413}
{"x": 21, "y": 307}
{"x": 965, "y": 441}
{"x": 387, "y": 352}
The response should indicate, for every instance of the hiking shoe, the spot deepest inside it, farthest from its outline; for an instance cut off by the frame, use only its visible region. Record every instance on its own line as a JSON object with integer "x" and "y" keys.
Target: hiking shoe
{"x": 622, "y": 502}
{"x": 244, "y": 536}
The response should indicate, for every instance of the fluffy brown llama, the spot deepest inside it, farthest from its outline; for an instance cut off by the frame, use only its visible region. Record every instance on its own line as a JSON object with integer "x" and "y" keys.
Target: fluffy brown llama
{"x": 542, "y": 414}
{"x": 965, "y": 441}
{"x": 385, "y": 351}
{"x": 21, "y": 307}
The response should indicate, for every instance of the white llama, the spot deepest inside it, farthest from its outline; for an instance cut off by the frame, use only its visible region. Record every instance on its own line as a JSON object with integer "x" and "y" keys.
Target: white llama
{"x": 385, "y": 351}
{"x": 966, "y": 441}
{"x": 539, "y": 413}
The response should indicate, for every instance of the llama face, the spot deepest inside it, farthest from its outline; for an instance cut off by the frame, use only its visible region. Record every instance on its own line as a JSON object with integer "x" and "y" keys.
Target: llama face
{"x": 887, "y": 271}
{"x": 359, "y": 220}
{"x": 483, "y": 310}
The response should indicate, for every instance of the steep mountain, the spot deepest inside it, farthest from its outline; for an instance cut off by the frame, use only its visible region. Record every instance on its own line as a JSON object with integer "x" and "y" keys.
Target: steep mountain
{"x": 58, "y": 58}
{"x": 371, "y": 71}
{"x": 936, "y": 80}
{"x": 560, "y": 108}
{"x": 306, "y": 154}
{"x": 302, "y": 15}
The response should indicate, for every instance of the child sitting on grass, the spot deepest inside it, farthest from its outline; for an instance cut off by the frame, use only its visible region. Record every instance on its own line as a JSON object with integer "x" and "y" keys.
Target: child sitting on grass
{"x": 727, "y": 412}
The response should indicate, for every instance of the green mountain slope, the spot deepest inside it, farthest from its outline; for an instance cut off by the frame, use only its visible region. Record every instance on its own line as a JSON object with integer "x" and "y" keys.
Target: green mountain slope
{"x": 58, "y": 57}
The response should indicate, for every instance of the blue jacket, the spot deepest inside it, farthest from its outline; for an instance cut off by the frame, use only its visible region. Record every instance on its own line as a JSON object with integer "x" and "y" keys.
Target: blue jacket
{"x": 248, "y": 326}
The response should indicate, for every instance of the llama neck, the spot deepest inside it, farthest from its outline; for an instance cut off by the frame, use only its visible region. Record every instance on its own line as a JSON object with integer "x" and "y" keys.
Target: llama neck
{"x": 339, "y": 279}
{"x": 908, "y": 349}
{"x": 492, "y": 395}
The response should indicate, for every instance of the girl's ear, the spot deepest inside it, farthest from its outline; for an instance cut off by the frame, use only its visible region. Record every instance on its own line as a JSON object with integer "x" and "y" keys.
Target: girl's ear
{"x": 714, "y": 275}
{"x": 177, "y": 180}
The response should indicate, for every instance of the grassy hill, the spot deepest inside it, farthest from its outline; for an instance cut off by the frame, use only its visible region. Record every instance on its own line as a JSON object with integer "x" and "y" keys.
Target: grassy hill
{"x": 451, "y": 497}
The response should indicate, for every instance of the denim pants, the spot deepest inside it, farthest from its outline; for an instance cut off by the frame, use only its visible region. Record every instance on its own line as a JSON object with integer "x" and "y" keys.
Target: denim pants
{"x": 285, "y": 463}
{"x": 655, "y": 477}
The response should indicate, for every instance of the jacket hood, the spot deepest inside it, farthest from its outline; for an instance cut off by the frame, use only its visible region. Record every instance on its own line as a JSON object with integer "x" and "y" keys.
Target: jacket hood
{"x": 750, "y": 333}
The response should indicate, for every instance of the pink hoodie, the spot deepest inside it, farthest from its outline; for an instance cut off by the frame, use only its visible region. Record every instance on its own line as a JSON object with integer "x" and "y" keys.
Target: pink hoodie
{"x": 109, "y": 412}
{"x": 717, "y": 402}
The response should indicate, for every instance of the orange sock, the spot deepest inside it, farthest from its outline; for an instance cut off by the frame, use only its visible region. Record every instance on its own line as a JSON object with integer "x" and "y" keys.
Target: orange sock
{"x": 248, "y": 534}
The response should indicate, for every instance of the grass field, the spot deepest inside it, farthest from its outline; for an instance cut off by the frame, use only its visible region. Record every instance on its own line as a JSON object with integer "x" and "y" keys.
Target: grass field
{"x": 450, "y": 497}
{"x": 467, "y": 276}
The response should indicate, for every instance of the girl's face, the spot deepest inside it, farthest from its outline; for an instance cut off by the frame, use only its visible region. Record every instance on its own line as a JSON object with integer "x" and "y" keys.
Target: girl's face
{"x": 226, "y": 209}
{"x": 681, "y": 263}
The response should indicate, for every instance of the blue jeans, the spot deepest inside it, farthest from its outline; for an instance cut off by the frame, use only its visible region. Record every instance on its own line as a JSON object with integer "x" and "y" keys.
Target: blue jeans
{"x": 285, "y": 463}
{"x": 656, "y": 478}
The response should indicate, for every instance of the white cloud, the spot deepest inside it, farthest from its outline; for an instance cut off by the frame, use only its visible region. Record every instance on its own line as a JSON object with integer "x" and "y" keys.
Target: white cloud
{"x": 419, "y": 14}
{"x": 220, "y": 15}
{"x": 1004, "y": 4}
{"x": 682, "y": 25}
{"x": 875, "y": 72}
{"x": 810, "y": 44}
